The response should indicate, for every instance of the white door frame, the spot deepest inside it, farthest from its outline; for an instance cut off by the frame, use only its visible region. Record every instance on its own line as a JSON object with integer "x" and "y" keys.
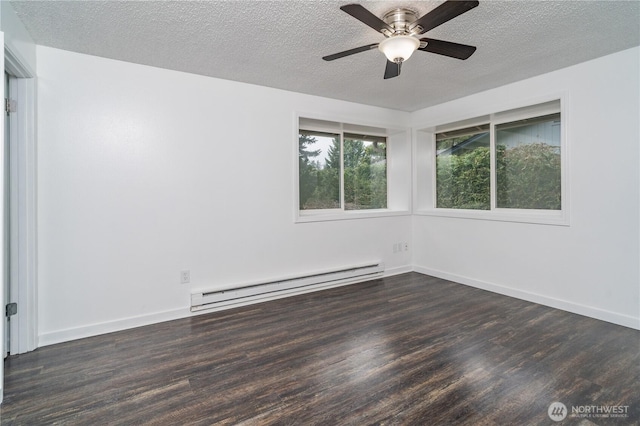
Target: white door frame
{"x": 2, "y": 266}
{"x": 23, "y": 205}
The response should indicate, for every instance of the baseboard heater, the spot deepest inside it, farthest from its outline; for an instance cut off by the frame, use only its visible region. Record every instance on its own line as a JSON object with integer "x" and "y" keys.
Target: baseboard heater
{"x": 252, "y": 293}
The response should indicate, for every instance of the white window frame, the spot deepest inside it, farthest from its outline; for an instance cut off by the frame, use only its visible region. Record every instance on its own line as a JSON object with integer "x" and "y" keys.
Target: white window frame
{"x": 398, "y": 168}
{"x": 425, "y": 175}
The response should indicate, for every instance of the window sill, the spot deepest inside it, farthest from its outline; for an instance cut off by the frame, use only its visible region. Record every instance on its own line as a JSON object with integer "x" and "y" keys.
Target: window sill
{"x": 333, "y": 215}
{"x": 538, "y": 217}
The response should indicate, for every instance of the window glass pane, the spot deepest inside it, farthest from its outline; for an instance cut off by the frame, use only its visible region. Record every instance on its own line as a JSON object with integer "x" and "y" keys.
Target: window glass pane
{"x": 463, "y": 174}
{"x": 528, "y": 164}
{"x": 365, "y": 172}
{"x": 319, "y": 170}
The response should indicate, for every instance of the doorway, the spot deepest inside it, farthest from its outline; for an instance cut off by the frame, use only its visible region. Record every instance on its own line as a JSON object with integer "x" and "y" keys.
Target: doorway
{"x": 6, "y": 234}
{"x": 19, "y": 222}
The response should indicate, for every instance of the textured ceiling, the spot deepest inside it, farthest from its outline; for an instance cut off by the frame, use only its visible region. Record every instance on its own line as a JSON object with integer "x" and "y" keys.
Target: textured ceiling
{"x": 280, "y": 43}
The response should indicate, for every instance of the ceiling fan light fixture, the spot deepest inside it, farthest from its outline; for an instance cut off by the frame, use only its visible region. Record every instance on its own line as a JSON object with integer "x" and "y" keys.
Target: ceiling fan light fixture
{"x": 399, "y": 48}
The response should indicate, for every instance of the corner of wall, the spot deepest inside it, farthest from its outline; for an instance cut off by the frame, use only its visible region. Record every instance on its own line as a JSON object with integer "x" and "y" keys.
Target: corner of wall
{"x": 17, "y": 39}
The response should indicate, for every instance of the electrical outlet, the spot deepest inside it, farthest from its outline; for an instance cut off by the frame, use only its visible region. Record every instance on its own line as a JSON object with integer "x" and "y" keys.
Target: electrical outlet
{"x": 185, "y": 277}
{"x": 406, "y": 246}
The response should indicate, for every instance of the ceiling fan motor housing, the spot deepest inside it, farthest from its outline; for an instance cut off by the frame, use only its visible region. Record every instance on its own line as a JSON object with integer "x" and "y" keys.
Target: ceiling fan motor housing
{"x": 400, "y": 20}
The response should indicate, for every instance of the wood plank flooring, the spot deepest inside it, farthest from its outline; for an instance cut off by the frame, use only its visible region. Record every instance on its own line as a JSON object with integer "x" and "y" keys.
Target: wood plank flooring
{"x": 405, "y": 350}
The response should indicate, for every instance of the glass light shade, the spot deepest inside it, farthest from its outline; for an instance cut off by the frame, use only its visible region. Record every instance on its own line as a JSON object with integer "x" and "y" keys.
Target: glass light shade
{"x": 399, "y": 48}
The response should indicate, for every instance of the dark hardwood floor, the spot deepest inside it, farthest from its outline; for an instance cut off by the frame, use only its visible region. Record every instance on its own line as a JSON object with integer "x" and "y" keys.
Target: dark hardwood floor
{"x": 409, "y": 349}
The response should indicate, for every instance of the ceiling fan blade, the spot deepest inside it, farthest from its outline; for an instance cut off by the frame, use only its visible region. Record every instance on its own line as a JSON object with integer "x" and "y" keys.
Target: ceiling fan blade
{"x": 441, "y": 14}
{"x": 447, "y": 48}
{"x": 350, "y": 52}
{"x": 392, "y": 69}
{"x": 363, "y": 15}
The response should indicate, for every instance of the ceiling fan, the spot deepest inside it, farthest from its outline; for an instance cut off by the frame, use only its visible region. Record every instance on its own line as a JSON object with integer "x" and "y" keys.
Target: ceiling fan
{"x": 401, "y": 28}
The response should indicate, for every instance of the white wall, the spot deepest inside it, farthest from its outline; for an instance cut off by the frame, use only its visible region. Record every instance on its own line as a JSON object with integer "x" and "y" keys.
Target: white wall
{"x": 590, "y": 267}
{"x": 143, "y": 172}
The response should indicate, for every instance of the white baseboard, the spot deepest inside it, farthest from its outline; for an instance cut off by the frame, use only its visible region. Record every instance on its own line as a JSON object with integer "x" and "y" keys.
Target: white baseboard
{"x": 588, "y": 311}
{"x": 398, "y": 270}
{"x": 67, "y": 335}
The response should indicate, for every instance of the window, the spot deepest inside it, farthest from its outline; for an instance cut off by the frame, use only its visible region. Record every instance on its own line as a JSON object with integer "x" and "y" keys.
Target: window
{"x": 319, "y": 170}
{"x": 463, "y": 165}
{"x": 528, "y": 166}
{"x": 502, "y": 166}
{"x": 365, "y": 172}
{"x": 347, "y": 171}
{"x": 341, "y": 171}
